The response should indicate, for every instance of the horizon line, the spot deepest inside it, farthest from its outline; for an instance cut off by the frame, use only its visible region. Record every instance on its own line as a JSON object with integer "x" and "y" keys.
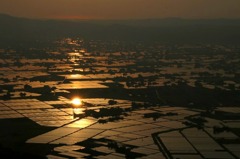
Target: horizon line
{"x": 80, "y": 18}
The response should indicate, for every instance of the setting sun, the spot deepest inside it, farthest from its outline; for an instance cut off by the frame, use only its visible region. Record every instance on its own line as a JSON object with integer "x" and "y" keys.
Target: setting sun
{"x": 76, "y": 102}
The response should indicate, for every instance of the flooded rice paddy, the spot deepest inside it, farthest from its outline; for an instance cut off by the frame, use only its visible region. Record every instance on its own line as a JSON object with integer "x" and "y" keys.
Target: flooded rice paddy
{"x": 154, "y": 102}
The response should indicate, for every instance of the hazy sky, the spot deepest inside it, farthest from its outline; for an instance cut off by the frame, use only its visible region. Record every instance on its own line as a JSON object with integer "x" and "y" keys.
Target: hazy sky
{"x": 121, "y": 9}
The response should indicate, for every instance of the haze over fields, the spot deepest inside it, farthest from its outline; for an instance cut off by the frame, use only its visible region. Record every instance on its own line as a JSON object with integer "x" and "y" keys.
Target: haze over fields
{"x": 17, "y": 31}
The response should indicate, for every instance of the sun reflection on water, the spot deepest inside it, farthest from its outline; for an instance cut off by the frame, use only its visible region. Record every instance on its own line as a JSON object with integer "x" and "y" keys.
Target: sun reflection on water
{"x": 76, "y": 102}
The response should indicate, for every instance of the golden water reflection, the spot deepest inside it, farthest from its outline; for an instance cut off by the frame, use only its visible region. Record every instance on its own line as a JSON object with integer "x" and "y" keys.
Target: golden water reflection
{"x": 76, "y": 102}
{"x": 78, "y": 112}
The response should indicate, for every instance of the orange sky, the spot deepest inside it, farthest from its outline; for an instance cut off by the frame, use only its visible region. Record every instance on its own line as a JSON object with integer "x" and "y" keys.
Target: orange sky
{"x": 121, "y": 9}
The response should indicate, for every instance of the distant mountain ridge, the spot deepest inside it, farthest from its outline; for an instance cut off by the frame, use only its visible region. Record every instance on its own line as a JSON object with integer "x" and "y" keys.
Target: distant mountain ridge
{"x": 15, "y": 30}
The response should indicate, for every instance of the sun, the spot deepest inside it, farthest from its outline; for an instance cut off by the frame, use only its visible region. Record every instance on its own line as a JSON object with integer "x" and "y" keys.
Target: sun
{"x": 76, "y": 101}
